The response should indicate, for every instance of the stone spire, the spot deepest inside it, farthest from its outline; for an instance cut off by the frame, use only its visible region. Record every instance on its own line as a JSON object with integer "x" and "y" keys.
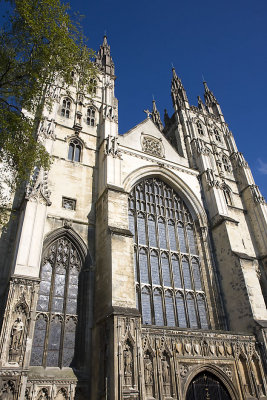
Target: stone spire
{"x": 179, "y": 97}
{"x": 155, "y": 115}
{"x": 209, "y": 96}
{"x": 104, "y": 59}
{"x": 211, "y": 102}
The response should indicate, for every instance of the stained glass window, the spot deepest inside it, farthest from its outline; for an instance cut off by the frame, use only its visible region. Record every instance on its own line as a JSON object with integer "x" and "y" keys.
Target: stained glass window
{"x": 54, "y": 336}
{"x": 146, "y": 306}
{"x": 168, "y": 268}
{"x": 180, "y": 306}
{"x": 169, "y": 308}
{"x": 158, "y": 307}
{"x": 155, "y": 271}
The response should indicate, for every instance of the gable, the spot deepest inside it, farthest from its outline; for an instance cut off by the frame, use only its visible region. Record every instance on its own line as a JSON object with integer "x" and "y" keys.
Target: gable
{"x": 147, "y": 138}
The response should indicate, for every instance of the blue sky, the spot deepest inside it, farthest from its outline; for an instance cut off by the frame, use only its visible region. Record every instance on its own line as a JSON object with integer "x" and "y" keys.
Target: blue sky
{"x": 224, "y": 41}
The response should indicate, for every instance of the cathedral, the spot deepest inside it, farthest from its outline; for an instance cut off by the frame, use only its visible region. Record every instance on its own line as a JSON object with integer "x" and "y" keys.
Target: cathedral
{"x": 135, "y": 268}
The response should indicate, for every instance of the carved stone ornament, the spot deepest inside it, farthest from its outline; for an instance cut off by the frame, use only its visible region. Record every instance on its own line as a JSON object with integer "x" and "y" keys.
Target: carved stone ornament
{"x": 37, "y": 189}
{"x": 257, "y": 196}
{"x": 183, "y": 370}
{"x": 201, "y": 147}
{"x": 149, "y": 374}
{"x": 16, "y": 340}
{"x": 54, "y": 92}
{"x": 46, "y": 129}
{"x": 239, "y": 160}
{"x": 7, "y": 391}
{"x": 128, "y": 364}
{"x": 211, "y": 180}
{"x": 152, "y": 146}
{"x": 43, "y": 394}
{"x": 112, "y": 146}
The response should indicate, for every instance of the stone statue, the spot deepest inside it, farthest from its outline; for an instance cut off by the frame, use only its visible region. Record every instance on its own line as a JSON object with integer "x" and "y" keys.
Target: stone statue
{"x": 165, "y": 370}
{"x": 128, "y": 365}
{"x": 16, "y": 340}
{"x": 148, "y": 370}
{"x": 127, "y": 361}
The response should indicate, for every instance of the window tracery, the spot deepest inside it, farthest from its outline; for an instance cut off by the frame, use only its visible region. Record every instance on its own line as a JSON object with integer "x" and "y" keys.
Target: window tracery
{"x": 226, "y": 163}
{"x": 227, "y": 194}
{"x": 55, "y": 327}
{"x": 199, "y": 128}
{"x": 169, "y": 286}
{"x": 90, "y": 116}
{"x": 217, "y": 135}
{"x": 65, "y": 109}
{"x": 75, "y": 149}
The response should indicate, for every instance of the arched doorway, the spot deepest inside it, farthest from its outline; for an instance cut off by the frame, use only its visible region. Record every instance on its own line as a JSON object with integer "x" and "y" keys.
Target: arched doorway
{"x": 206, "y": 386}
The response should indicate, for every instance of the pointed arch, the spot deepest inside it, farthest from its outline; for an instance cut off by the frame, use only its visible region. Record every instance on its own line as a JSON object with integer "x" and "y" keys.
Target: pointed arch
{"x": 187, "y": 194}
{"x": 228, "y": 194}
{"x": 218, "y": 373}
{"x": 74, "y": 237}
{"x": 63, "y": 260}
{"x": 169, "y": 259}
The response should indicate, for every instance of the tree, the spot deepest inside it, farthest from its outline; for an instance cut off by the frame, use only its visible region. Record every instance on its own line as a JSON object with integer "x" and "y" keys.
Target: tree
{"x": 40, "y": 43}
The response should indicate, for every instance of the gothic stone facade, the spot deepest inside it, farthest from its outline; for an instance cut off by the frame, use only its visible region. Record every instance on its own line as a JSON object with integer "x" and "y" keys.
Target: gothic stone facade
{"x": 135, "y": 268}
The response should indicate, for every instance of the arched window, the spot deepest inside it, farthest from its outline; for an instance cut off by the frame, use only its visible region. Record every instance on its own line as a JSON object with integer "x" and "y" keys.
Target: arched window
{"x": 93, "y": 85}
{"x": 217, "y": 135}
{"x": 226, "y": 163}
{"x": 75, "y": 149}
{"x": 199, "y": 128}
{"x": 55, "y": 327}
{"x": 227, "y": 194}
{"x": 65, "y": 109}
{"x": 167, "y": 264}
{"x": 90, "y": 116}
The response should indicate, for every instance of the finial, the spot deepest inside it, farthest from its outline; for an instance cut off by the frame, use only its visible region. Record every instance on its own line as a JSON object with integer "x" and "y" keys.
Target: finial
{"x": 174, "y": 75}
{"x": 205, "y": 86}
{"x": 203, "y": 79}
{"x": 154, "y": 105}
{"x": 105, "y": 42}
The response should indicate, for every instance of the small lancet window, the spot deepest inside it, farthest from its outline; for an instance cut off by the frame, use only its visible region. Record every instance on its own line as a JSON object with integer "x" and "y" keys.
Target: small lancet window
{"x": 217, "y": 135}
{"x": 90, "y": 116}
{"x": 93, "y": 85}
{"x": 226, "y": 163}
{"x": 65, "y": 109}
{"x": 199, "y": 128}
{"x": 227, "y": 195}
{"x": 74, "y": 153}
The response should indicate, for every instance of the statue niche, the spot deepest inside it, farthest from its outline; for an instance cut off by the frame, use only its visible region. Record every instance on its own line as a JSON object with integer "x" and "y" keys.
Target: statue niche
{"x": 128, "y": 364}
{"x": 149, "y": 374}
{"x": 243, "y": 371}
{"x": 257, "y": 376}
{"x": 17, "y": 334}
{"x": 166, "y": 374}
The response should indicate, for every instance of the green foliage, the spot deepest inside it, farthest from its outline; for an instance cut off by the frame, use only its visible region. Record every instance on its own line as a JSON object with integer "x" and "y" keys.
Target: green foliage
{"x": 38, "y": 45}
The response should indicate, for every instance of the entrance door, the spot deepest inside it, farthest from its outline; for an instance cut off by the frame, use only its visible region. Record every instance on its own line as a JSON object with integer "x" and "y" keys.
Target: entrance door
{"x": 207, "y": 386}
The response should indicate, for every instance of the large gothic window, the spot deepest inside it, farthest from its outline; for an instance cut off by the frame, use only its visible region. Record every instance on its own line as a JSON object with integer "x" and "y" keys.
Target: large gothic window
{"x": 169, "y": 289}
{"x": 56, "y": 317}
